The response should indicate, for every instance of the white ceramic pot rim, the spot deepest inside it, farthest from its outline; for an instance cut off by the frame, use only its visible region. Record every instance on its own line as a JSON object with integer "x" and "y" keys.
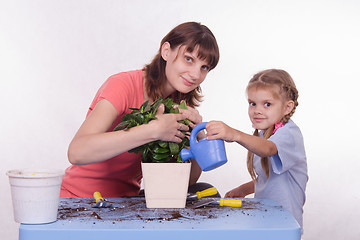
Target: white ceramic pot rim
{"x": 35, "y": 173}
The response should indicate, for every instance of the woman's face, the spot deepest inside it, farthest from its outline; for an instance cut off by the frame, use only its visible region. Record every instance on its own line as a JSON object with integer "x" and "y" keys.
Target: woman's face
{"x": 184, "y": 70}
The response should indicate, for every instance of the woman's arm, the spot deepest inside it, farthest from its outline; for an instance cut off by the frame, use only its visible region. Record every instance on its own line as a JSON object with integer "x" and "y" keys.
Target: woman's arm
{"x": 259, "y": 146}
{"x": 195, "y": 172}
{"x": 195, "y": 118}
{"x": 92, "y": 143}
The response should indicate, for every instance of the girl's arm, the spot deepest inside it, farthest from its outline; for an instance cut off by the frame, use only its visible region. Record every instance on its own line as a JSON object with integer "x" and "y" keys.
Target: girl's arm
{"x": 92, "y": 143}
{"x": 241, "y": 191}
{"x": 259, "y": 146}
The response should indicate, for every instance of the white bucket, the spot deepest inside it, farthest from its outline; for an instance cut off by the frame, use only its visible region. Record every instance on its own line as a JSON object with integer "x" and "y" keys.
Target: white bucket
{"x": 35, "y": 194}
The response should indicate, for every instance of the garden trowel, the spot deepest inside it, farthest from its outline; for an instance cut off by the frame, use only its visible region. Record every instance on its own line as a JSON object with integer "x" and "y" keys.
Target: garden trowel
{"x": 200, "y": 194}
{"x": 100, "y": 201}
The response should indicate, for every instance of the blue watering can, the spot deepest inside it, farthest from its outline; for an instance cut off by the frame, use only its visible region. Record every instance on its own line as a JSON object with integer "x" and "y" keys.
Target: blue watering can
{"x": 209, "y": 154}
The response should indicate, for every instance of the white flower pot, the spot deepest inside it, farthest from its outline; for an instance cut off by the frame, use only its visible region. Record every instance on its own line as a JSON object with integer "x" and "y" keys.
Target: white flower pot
{"x": 166, "y": 184}
{"x": 35, "y": 194}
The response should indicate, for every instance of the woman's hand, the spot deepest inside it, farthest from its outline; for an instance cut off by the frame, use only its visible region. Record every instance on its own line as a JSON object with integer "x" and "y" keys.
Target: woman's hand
{"x": 167, "y": 127}
{"x": 192, "y": 114}
{"x": 195, "y": 118}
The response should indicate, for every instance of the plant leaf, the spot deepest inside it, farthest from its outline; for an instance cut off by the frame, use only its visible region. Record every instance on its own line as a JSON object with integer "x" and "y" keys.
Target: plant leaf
{"x": 139, "y": 119}
{"x": 156, "y": 151}
{"x": 179, "y": 160}
{"x": 160, "y": 156}
{"x": 143, "y": 106}
{"x": 145, "y": 153}
{"x": 155, "y": 105}
{"x": 127, "y": 117}
{"x": 168, "y": 103}
{"x": 160, "y": 150}
{"x": 174, "y": 148}
{"x": 174, "y": 110}
{"x": 163, "y": 160}
{"x": 163, "y": 144}
{"x": 136, "y": 150}
{"x": 121, "y": 126}
{"x": 183, "y": 105}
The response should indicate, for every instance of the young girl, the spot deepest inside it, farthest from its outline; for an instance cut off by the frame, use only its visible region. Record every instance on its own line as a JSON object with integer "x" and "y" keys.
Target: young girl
{"x": 99, "y": 157}
{"x": 276, "y": 158}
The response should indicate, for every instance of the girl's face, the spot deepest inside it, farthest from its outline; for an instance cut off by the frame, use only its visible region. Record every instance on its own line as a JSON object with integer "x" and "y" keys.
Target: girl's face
{"x": 184, "y": 70}
{"x": 267, "y": 107}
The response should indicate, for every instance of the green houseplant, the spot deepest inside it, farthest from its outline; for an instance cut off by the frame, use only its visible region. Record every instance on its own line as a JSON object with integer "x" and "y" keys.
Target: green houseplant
{"x": 157, "y": 151}
{"x": 165, "y": 180}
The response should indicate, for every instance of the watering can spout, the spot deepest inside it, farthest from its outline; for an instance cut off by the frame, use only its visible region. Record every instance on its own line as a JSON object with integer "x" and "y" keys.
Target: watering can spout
{"x": 186, "y": 154}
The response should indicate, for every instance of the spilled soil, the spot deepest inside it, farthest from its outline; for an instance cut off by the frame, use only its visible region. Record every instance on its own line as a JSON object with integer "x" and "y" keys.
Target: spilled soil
{"x": 134, "y": 209}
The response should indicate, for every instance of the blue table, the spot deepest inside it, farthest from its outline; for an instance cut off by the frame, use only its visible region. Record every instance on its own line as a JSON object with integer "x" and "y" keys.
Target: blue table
{"x": 131, "y": 220}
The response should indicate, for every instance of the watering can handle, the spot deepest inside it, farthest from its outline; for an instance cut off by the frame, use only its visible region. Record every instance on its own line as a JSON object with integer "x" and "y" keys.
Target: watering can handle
{"x": 195, "y": 131}
{"x": 186, "y": 154}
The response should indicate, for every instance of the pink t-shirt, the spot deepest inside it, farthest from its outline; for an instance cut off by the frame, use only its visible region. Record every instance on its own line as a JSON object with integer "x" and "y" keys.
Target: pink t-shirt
{"x": 121, "y": 175}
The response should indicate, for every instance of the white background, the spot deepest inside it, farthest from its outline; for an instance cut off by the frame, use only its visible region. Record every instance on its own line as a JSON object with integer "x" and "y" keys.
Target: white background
{"x": 54, "y": 55}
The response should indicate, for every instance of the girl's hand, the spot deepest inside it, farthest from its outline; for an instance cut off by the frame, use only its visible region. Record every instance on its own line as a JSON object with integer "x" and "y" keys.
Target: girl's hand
{"x": 167, "y": 127}
{"x": 236, "y": 193}
{"x": 242, "y": 190}
{"x": 219, "y": 130}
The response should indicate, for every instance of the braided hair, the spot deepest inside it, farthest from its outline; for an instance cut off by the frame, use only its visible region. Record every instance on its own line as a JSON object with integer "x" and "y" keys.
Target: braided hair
{"x": 288, "y": 91}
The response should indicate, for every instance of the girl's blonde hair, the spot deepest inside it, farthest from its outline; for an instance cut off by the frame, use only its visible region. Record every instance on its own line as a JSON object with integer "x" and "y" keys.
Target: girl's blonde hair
{"x": 288, "y": 91}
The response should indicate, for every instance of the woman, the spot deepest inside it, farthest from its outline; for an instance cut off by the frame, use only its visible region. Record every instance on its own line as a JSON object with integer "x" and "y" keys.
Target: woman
{"x": 99, "y": 157}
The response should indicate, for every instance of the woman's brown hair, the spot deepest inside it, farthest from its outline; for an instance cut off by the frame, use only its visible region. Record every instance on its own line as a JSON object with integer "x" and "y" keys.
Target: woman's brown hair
{"x": 288, "y": 91}
{"x": 191, "y": 35}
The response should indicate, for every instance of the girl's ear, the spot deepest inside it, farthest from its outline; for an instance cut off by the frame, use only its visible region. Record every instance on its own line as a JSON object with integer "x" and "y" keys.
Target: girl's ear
{"x": 289, "y": 106}
{"x": 165, "y": 50}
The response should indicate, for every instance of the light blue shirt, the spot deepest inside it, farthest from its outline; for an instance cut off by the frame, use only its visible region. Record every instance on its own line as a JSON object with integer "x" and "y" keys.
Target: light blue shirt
{"x": 288, "y": 171}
